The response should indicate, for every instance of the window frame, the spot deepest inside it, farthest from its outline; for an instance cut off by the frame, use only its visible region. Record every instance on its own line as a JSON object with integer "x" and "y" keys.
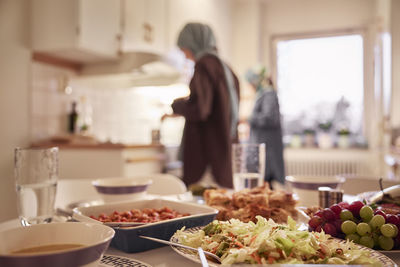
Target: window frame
{"x": 368, "y": 74}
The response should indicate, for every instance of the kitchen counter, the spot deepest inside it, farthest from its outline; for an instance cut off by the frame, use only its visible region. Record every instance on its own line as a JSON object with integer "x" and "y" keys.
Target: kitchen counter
{"x": 93, "y": 145}
{"x": 82, "y": 157}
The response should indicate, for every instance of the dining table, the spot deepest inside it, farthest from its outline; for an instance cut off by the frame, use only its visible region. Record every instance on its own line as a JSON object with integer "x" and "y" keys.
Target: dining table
{"x": 164, "y": 256}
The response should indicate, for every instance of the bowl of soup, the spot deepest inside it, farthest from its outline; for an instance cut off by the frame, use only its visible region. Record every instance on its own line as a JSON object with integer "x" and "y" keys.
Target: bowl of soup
{"x": 66, "y": 244}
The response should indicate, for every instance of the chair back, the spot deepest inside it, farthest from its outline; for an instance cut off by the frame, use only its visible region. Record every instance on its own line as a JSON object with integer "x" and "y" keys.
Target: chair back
{"x": 166, "y": 184}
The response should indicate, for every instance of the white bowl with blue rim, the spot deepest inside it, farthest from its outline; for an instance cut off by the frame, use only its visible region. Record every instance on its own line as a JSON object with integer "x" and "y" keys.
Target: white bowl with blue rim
{"x": 117, "y": 189}
{"x": 306, "y": 187}
{"x": 64, "y": 244}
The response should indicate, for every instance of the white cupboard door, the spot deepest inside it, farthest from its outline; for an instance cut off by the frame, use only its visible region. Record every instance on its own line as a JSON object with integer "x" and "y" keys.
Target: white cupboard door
{"x": 99, "y": 29}
{"x": 144, "y": 26}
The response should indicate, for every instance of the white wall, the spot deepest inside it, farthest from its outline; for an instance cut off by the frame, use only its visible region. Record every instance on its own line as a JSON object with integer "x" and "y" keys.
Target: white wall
{"x": 14, "y": 96}
{"x": 395, "y": 29}
{"x": 215, "y": 13}
{"x": 287, "y": 17}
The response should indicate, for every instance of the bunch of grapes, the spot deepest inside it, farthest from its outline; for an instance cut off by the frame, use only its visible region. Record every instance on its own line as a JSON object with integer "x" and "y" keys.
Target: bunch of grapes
{"x": 359, "y": 223}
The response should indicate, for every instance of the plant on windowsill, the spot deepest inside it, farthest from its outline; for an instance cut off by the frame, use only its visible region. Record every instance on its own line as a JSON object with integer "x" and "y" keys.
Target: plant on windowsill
{"x": 324, "y": 137}
{"x": 343, "y": 138}
{"x": 343, "y": 131}
{"x": 325, "y": 126}
{"x": 309, "y": 137}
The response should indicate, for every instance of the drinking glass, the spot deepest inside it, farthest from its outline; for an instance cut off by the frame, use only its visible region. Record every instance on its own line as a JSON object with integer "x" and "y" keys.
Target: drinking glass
{"x": 36, "y": 174}
{"x": 248, "y": 163}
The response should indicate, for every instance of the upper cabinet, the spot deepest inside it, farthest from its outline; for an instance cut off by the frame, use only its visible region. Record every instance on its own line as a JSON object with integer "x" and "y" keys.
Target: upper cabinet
{"x": 144, "y": 26}
{"x": 77, "y": 30}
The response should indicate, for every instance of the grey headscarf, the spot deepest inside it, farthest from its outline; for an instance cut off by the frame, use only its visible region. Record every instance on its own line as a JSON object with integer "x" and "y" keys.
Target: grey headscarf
{"x": 200, "y": 40}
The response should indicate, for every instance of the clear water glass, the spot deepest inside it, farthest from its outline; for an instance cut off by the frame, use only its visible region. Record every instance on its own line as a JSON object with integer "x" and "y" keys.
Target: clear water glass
{"x": 36, "y": 175}
{"x": 248, "y": 163}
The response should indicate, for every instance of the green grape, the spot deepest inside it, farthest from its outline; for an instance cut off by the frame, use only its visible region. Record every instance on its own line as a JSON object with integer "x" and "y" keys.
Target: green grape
{"x": 385, "y": 242}
{"x": 377, "y": 221}
{"x": 388, "y": 230}
{"x": 353, "y": 237}
{"x": 395, "y": 229}
{"x": 346, "y": 215}
{"x": 366, "y": 213}
{"x": 348, "y": 227}
{"x": 375, "y": 237}
{"x": 363, "y": 229}
{"x": 367, "y": 241}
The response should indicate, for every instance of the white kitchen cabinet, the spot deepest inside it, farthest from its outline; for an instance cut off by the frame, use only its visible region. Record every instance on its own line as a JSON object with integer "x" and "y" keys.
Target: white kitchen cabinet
{"x": 77, "y": 30}
{"x": 88, "y": 162}
{"x": 144, "y": 26}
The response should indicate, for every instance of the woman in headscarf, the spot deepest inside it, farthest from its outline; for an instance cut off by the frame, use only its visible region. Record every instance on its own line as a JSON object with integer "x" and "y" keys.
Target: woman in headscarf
{"x": 265, "y": 123}
{"x": 210, "y": 111}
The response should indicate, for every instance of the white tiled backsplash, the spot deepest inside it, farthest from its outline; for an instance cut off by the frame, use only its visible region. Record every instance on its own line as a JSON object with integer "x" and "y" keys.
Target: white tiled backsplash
{"x": 119, "y": 115}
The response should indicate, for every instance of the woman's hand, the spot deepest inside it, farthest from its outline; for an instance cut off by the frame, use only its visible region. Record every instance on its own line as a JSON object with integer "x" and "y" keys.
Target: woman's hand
{"x": 166, "y": 115}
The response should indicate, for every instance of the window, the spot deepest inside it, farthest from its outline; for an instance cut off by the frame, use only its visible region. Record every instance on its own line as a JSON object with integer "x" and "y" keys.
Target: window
{"x": 320, "y": 81}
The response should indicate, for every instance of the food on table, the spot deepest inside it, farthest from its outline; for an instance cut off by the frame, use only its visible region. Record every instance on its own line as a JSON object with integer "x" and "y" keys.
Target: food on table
{"x": 198, "y": 189}
{"x": 389, "y": 203}
{"x": 246, "y": 204}
{"x": 367, "y": 225}
{"x": 267, "y": 242}
{"x": 47, "y": 248}
{"x": 141, "y": 216}
{"x": 310, "y": 211}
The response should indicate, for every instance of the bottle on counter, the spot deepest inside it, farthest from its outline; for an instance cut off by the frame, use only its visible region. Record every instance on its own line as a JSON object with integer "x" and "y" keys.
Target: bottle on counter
{"x": 73, "y": 118}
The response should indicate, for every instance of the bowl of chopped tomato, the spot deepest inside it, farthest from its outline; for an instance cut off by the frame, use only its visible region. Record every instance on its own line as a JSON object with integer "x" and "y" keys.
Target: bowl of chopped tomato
{"x": 158, "y": 218}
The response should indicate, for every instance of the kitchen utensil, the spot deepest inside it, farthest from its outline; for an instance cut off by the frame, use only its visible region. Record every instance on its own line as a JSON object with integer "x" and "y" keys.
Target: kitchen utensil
{"x": 182, "y": 246}
{"x": 202, "y": 257}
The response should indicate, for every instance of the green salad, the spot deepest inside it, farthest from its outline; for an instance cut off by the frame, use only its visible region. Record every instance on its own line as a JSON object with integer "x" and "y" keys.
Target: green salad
{"x": 267, "y": 242}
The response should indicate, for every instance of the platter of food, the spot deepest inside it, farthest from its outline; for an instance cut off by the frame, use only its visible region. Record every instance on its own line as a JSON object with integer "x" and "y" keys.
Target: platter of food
{"x": 266, "y": 242}
{"x": 155, "y": 217}
{"x": 246, "y": 204}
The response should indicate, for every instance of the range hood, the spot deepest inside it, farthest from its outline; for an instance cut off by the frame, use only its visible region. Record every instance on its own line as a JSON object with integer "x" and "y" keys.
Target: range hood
{"x": 131, "y": 70}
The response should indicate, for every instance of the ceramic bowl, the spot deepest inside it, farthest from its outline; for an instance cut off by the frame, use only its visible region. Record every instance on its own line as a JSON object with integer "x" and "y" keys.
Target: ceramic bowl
{"x": 306, "y": 187}
{"x": 93, "y": 239}
{"x": 122, "y": 188}
{"x": 393, "y": 191}
{"x": 127, "y": 238}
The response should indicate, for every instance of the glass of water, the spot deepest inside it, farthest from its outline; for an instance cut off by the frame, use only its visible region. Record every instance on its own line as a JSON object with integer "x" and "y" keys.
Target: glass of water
{"x": 248, "y": 163}
{"x": 36, "y": 174}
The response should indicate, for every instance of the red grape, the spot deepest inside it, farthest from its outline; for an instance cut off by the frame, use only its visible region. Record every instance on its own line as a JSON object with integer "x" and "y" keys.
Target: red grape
{"x": 328, "y": 215}
{"x": 355, "y": 208}
{"x": 338, "y": 225}
{"x": 318, "y": 213}
{"x": 393, "y": 219}
{"x": 318, "y": 229}
{"x": 397, "y": 240}
{"x": 344, "y": 205}
{"x": 315, "y": 221}
{"x": 336, "y": 209}
{"x": 330, "y": 229}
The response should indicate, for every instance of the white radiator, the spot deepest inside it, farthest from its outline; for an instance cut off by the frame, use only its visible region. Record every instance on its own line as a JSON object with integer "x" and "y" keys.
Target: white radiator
{"x": 317, "y": 162}
{"x": 324, "y": 167}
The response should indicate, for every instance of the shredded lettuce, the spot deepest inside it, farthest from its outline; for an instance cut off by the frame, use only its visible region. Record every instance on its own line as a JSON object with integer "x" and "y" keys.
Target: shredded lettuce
{"x": 267, "y": 242}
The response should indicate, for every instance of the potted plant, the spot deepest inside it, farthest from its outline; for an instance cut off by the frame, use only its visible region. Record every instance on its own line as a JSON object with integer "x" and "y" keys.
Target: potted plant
{"x": 343, "y": 138}
{"x": 324, "y": 137}
{"x": 309, "y": 137}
